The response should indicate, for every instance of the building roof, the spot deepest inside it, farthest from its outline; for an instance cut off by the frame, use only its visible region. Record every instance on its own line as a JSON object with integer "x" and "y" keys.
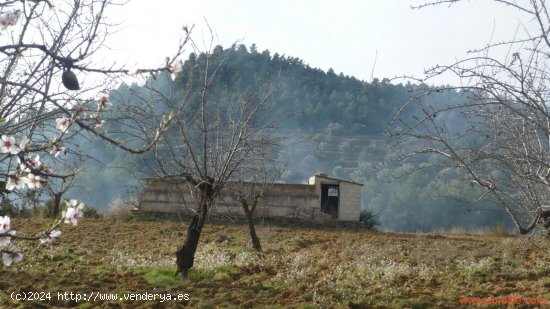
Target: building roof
{"x": 320, "y": 174}
{"x": 323, "y": 175}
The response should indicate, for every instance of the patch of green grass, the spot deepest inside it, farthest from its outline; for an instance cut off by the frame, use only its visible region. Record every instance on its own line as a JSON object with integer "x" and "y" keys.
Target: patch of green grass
{"x": 410, "y": 303}
{"x": 200, "y": 275}
{"x": 225, "y": 273}
{"x": 308, "y": 296}
{"x": 238, "y": 250}
{"x": 449, "y": 299}
{"x": 98, "y": 270}
{"x": 221, "y": 276}
{"x": 162, "y": 277}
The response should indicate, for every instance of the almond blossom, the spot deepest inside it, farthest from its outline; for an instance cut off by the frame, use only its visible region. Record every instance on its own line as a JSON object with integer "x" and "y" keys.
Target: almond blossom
{"x": 22, "y": 165}
{"x": 10, "y": 255}
{"x": 80, "y": 110}
{"x": 9, "y": 18}
{"x": 15, "y": 182}
{"x": 6, "y": 240}
{"x": 176, "y": 69}
{"x": 23, "y": 144}
{"x": 104, "y": 103}
{"x": 63, "y": 124}
{"x": 4, "y": 224}
{"x": 73, "y": 212}
{"x": 8, "y": 145}
{"x": 47, "y": 170}
{"x": 50, "y": 238}
{"x": 33, "y": 181}
{"x": 30, "y": 164}
{"x": 57, "y": 150}
{"x": 98, "y": 122}
{"x": 5, "y": 229}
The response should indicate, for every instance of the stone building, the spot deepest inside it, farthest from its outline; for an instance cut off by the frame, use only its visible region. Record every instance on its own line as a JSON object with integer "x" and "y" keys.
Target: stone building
{"x": 323, "y": 198}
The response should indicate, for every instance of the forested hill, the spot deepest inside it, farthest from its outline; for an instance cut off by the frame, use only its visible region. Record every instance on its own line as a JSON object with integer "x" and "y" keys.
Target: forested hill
{"x": 320, "y": 97}
{"x": 337, "y": 126}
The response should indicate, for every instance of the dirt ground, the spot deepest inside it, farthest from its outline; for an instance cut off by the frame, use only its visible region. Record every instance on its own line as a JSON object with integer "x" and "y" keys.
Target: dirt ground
{"x": 299, "y": 268}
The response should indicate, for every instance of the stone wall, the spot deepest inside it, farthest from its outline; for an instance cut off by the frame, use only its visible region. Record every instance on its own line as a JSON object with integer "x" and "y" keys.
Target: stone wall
{"x": 301, "y": 201}
{"x": 279, "y": 200}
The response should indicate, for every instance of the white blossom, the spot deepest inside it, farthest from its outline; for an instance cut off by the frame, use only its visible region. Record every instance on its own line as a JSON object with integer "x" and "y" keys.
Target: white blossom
{"x": 15, "y": 182}
{"x": 103, "y": 103}
{"x": 30, "y": 164}
{"x": 57, "y": 150}
{"x": 99, "y": 122}
{"x": 178, "y": 67}
{"x": 10, "y": 255}
{"x": 23, "y": 144}
{"x": 4, "y": 224}
{"x": 33, "y": 181}
{"x": 9, "y": 19}
{"x": 73, "y": 212}
{"x": 8, "y": 145}
{"x": 6, "y": 240}
{"x": 80, "y": 110}
{"x": 63, "y": 123}
{"x": 5, "y": 229}
{"x": 47, "y": 170}
{"x": 50, "y": 238}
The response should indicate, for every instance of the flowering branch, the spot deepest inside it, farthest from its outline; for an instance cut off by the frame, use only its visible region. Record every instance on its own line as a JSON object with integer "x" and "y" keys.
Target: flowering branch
{"x": 10, "y": 252}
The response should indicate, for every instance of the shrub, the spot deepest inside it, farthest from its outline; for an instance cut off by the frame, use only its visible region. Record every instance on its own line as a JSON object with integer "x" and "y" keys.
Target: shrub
{"x": 92, "y": 213}
{"x": 368, "y": 219}
{"x": 46, "y": 211}
{"x": 119, "y": 210}
{"x": 8, "y": 208}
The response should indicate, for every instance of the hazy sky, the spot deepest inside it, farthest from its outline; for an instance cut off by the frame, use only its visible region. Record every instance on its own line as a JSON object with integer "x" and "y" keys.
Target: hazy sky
{"x": 345, "y": 35}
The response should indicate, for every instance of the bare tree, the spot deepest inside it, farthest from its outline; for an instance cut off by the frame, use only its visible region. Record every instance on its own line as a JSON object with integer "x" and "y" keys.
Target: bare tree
{"x": 502, "y": 142}
{"x": 253, "y": 181}
{"x": 52, "y": 86}
{"x": 56, "y": 188}
{"x": 209, "y": 140}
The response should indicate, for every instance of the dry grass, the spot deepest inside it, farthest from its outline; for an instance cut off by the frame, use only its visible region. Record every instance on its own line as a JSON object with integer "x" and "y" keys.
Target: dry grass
{"x": 299, "y": 268}
{"x": 498, "y": 230}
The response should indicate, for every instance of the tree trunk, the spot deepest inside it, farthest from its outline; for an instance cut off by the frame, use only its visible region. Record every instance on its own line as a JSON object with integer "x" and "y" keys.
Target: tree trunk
{"x": 255, "y": 240}
{"x": 185, "y": 256}
{"x": 56, "y": 203}
{"x": 249, "y": 212}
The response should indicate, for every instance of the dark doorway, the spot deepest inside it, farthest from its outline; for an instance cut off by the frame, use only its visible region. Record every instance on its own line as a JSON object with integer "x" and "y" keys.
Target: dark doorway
{"x": 329, "y": 200}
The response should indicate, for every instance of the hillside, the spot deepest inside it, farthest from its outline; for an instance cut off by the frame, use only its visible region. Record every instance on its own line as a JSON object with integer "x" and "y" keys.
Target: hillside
{"x": 337, "y": 124}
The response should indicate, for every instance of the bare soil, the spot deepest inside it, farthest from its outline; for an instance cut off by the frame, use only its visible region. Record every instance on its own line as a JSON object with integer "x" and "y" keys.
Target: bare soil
{"x": 299, "y": 268}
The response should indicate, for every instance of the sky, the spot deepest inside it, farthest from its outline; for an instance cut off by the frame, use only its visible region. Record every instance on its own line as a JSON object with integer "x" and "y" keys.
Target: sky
{"x": 361, "y": 38}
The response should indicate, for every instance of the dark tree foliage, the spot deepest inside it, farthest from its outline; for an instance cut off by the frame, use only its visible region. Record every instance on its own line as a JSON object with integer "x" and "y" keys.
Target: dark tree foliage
{"x": 318, "y": 97}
